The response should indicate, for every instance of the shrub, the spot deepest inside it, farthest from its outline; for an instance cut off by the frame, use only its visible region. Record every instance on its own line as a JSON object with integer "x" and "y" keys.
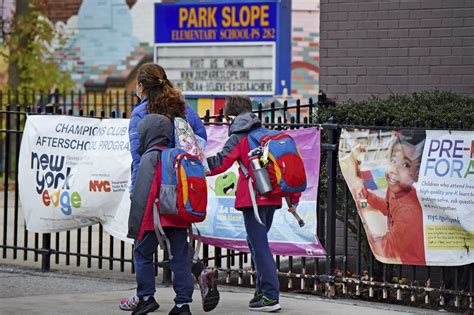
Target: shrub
{"x": 427, "y": 108}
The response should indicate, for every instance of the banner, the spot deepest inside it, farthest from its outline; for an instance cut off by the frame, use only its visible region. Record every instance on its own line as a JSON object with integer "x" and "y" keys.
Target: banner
{"x": 224, "y": 226}
{"x": 414, "y": 192}
{"x": 75, "y": 172}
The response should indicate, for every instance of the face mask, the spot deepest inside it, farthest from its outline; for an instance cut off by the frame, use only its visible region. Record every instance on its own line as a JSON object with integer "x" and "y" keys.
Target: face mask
{"x": 137, "y": 91}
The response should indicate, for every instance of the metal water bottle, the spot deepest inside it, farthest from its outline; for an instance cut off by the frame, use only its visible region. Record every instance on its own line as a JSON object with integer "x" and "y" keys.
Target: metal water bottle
{"x": 262, "y": 180}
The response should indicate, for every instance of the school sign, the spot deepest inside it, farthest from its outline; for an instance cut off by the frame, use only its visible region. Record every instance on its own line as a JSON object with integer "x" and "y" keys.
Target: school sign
{"x": 221, "y": 48}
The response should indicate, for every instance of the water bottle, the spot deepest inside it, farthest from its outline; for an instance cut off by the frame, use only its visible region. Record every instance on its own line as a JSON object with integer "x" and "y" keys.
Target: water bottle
{"x": 264, "y": 186}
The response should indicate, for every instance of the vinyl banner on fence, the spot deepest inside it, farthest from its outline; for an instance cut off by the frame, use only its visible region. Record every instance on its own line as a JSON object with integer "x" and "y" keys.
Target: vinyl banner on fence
{"x": 414, "y": 192}
{"x": 224, "y": 226}
{"x": 75, "y": 172}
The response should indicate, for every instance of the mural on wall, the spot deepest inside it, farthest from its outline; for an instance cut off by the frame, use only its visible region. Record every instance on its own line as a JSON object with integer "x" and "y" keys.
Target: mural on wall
{"x": 104, "y": 41}
{"x": 109, "y": 39}
{"x": 305, "y": 49}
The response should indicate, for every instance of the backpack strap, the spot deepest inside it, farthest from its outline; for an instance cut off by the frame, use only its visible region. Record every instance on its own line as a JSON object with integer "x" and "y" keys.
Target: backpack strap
{"x": 160, "y": 233}
{"x": 252, "y": 192}
{"x": 254, "y": 138}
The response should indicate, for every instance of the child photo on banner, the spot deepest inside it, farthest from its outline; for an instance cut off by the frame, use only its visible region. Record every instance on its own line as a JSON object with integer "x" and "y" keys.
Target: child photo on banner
{"x": 413, "y": 193}
{"x": 381, "y": 169}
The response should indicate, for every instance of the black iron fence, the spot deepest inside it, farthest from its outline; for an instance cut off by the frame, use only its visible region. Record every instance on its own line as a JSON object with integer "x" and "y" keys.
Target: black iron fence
{"x": 349, "y": 269}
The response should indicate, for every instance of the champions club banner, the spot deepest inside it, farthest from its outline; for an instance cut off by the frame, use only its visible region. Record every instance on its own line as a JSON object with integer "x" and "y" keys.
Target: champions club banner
{"x": 224, "y": 226}
{"x": 414, "y": 192}
{"x": 75, "y": 172}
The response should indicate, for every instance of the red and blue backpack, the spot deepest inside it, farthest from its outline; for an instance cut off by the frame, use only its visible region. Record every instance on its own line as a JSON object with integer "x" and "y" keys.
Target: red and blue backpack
{"x": 283, "y": 161}
{"x": 183, "y": 191}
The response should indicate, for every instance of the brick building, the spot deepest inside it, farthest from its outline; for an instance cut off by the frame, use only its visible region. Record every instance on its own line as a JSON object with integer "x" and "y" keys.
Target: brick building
{"x": 397, "y": 46}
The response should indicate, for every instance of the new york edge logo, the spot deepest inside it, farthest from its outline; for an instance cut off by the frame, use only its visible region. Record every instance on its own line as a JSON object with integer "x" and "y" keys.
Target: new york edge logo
{"x": 52, "y": 183}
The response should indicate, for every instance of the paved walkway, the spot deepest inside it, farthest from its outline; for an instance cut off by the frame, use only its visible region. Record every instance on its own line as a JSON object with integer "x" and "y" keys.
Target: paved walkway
{"x": 23, "y": 291}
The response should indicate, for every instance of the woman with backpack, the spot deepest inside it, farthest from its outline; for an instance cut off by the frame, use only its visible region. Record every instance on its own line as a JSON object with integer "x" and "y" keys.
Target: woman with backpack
{"x": 158, "y": 96}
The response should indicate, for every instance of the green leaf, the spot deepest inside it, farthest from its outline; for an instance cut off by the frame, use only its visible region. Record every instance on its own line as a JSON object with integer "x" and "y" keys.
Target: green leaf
{"x": 28, "y": 46}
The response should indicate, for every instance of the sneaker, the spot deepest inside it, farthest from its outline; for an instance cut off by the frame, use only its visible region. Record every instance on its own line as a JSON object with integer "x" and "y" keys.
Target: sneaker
{"x": 265, "y": 305}
{"x": 256, "y": 297}
{"x": 208, "y": 285}
{"x": 145, "y": 307}
{"x": 183, "y": 310}
{"x": 128, "y": 304}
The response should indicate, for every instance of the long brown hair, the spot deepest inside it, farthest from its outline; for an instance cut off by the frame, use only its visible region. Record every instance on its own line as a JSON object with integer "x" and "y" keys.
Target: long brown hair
{"x": 162, "y": 97}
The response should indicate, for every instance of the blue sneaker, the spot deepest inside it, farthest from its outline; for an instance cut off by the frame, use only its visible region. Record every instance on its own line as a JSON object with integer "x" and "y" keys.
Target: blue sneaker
{"x": 257, "y": 296}
{"x": 265, "y": 304}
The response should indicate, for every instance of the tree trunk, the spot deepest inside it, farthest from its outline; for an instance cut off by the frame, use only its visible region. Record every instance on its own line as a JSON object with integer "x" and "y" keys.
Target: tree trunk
{"x": 22, "y": 8}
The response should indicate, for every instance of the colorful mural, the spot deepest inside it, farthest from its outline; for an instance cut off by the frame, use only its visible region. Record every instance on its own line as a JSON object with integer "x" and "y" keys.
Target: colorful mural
{"x": 305, "y": 49}
{"x": 109, "y": 39}
{"x": 102, "y": 45}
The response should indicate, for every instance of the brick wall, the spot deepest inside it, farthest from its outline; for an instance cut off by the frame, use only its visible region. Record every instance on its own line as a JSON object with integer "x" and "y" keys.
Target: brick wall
{"x": 57, "y": 10}
{"x": 400, "y": 46}
{"x": 60, "y": 10}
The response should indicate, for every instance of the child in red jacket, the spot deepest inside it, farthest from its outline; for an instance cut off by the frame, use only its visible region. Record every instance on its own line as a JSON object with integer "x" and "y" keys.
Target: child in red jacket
{"x": 404, "y": 240}
{"x": 153, "y": 133}
{"x": 238, "y": 111}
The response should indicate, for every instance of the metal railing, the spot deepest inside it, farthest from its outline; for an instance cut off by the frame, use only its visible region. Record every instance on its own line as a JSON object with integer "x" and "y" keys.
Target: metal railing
{"x": 349, "y": 269}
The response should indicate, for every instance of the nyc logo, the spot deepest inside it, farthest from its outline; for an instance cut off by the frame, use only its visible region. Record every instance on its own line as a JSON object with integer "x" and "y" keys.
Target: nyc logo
{"x": 99, "y": 185}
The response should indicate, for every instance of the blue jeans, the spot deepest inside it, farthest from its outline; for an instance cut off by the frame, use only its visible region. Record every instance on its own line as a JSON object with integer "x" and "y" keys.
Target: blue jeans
{"x": 257, "y": 238}
{"x": 180, "y": 264}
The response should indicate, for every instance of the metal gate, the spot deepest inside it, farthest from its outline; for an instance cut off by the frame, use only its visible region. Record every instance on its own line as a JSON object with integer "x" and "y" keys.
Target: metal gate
{"x": 349, "y": 270}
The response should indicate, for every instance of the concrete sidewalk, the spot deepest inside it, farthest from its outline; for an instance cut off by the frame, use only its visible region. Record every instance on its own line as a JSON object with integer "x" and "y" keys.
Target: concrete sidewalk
{"x": 25, "y": 291}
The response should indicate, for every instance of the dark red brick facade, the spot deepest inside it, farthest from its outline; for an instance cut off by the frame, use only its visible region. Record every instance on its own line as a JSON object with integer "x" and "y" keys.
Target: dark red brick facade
{"x": 58, "y": 10}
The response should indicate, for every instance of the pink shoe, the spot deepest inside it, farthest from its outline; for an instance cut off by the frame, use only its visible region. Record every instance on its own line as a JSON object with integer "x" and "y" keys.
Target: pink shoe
{"x": 208, "y": 285}
{"x": 129, "y": 304}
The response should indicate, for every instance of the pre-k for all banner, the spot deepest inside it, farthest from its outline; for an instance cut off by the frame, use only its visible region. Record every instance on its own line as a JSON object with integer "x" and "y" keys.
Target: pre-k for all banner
{"x": 414, "y": 192}
{"x": 75, "y": 172}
